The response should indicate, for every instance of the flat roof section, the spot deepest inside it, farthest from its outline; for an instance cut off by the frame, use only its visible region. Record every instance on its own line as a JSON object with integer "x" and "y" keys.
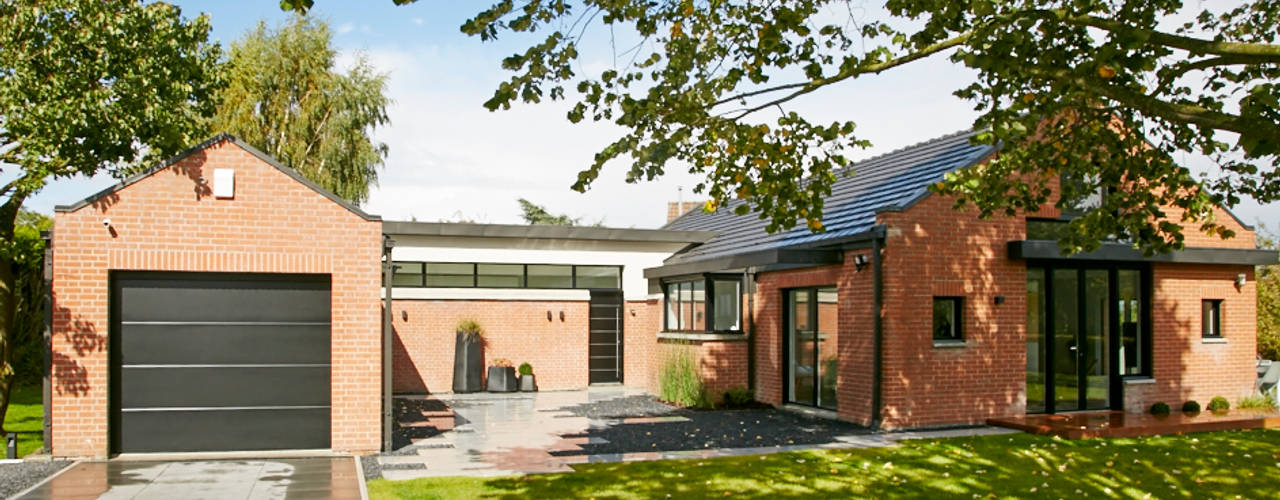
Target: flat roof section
{"x": 394, "y": 228}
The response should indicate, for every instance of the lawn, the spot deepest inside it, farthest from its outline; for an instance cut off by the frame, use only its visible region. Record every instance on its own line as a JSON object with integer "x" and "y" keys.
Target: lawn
{"x": 1241, "y": 464}
{"x": 26, "y": 417}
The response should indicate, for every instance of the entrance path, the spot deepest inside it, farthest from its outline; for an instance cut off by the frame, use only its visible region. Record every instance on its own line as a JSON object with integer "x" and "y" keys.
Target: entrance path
{"x": 319, "y": 478}
{"x": 524, "y": 433}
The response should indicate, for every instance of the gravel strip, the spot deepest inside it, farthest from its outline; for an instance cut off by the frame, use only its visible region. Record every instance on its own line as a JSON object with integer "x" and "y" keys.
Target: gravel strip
{"x": 629, "y": 406}
{"x": 717, "y": 429}
{"x": 18, "y": 477}
{"x": 371, "y": 469}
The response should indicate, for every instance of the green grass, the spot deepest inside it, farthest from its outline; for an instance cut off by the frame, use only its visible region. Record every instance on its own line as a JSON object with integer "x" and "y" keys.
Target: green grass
{"x": 26, "y": 417}
{"x": 1243, "y": 463}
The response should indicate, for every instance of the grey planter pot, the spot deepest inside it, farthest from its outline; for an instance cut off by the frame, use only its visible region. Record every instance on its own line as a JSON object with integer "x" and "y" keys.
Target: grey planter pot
{"x": 467, "y": 364}
{"x": 527, "y": 383}
{"x": 502, "y": 379}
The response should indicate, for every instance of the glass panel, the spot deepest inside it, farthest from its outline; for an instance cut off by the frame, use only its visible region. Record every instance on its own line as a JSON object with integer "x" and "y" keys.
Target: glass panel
{"x": 1095, "y": 353}
{"x": 454, "y": 275}
{"x": 548, "y": 276}
{"x": 1129, "y": 307}
{"x": 828, "y": 330}
{"x": 728, "y": 301}
{"x": 407, "y": 274}
{"x": 945, "y": 319}
{"x": 500, "y": 275}
{"x": 699, "y": 306}
{"x": 686, "y": 306}
{"x": 673, "y": 306}
{"x": 1066, "y": 319}
{"x": 1035, "y": 340}
{"x": 801, "y": 348}
{"x": 1210, "y": 318}
{"x": 599, "y": 277}
{"x": 1046, "y": 229}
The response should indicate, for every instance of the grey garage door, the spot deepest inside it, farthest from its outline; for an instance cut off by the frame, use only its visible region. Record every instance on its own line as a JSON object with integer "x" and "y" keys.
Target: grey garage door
{"x": 219, "y": 362}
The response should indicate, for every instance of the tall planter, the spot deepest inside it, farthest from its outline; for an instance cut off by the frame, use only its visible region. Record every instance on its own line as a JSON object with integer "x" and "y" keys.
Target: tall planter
{"x": 468, "y": 364}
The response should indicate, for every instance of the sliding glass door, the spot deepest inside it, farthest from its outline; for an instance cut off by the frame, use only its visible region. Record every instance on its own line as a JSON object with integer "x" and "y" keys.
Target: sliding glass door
{"x": 1080, "y": 322}
{"x": 811, "y": 346}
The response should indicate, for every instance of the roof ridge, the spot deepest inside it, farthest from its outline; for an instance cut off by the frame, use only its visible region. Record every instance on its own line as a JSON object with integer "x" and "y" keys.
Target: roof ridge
{"x": 915, "y": 145}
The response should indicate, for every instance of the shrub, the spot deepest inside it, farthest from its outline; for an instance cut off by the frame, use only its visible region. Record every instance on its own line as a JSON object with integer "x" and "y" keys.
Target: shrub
{"x": 525, "y": 369}
{"x": 503, "y": 362}
{"x": 471, "y": 329}
{"x": 680, "y": 382}
{"x": 1191, "y": 407}
{"x": 1257, "y": 402}
{"x": 1219, "y": 403}
{"x": 738, "y": 397}
{"x": 1160, "y": 408}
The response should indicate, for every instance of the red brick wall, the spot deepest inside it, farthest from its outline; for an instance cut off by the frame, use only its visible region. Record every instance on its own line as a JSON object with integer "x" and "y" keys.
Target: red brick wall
{"x": 642, "y": 320}
{"x": 934, "y": 250}
{"x": 165, "y": 222}
{"x": 722, "y": 363}
{"x": 1183, "y": 365}
{"x": 516, "y": 330}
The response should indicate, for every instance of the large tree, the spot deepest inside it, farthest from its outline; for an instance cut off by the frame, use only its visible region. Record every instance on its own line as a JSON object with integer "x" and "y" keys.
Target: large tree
{"x": 1268, "y": 278}
{"x": 88, "y": 86}
{"x": 1103, "y": 92}
{"x": 286, "y": 96}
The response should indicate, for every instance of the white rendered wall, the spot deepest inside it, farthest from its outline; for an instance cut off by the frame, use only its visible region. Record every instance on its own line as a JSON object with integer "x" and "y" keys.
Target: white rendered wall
{"x": 634, "y": 257}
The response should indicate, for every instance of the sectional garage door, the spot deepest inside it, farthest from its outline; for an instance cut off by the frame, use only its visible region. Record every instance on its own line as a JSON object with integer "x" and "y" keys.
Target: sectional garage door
{"x": 219, "y": 362}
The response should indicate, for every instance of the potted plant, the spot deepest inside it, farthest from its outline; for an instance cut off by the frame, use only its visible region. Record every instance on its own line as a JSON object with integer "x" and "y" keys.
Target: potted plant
{"x": 467, "y": 357}
{"x": 526, "y": 378}
{"x": 502, "y": 376}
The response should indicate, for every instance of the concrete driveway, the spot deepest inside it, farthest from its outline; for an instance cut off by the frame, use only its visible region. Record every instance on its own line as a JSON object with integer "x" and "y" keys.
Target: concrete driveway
{"x": 321, "y": 478}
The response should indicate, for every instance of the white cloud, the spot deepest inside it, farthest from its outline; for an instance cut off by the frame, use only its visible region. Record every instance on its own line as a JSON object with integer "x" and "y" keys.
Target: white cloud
{"x": 416, "y": 20}
{"x": 345, "y": 28}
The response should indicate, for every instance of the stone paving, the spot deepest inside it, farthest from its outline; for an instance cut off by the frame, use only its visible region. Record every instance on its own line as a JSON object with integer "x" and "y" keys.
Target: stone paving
{"x": 311, "y": 478}
{"x": 526, "y": 433}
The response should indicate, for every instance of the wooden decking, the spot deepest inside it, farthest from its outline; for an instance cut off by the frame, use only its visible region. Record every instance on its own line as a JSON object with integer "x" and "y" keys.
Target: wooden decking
{"x": 1085, "y": 425}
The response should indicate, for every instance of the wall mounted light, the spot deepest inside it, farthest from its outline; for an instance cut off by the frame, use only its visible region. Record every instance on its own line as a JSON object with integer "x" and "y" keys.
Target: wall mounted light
{"x": 1240, "y": 280}
{"x": 562, "y": 316}
{"x": 548, "y": 315}
{"x": 999, "y": 299}
{"x": 859, "y": 262}
{"x": 404, "y": 315}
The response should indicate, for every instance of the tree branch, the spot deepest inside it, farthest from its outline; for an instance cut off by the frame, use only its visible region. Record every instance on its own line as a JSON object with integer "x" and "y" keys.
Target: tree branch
{"x": 1263, "y": 52}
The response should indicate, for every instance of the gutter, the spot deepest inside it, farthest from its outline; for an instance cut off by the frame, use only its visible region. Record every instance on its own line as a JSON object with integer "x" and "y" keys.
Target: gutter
{"x": 46, "y": 389}
{"x": 388, "y": 269}
{"x": 749, "y": 281}
{"x": 877, "y": 343}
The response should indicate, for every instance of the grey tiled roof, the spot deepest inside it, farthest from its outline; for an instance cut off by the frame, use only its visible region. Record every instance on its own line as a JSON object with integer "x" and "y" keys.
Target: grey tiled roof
{"x": 892, "y": 180}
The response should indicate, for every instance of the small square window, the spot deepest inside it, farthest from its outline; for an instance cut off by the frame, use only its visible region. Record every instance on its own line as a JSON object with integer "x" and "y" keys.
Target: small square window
{"x": 947, "y": 318}
{"x": 1211, "y": 319}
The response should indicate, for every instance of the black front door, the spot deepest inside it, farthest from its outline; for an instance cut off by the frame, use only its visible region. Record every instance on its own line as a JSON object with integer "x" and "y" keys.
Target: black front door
{"x": 219, "y": 362}
{"x": 605, "y": 349}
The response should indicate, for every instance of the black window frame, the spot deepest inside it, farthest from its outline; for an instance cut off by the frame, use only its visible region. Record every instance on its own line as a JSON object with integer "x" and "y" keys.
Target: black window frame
{"x": 957, "y": 320}
{"x": 1213, "y": 306}
{"x": 524, "y": 275}
{"x": 708, "y": 291}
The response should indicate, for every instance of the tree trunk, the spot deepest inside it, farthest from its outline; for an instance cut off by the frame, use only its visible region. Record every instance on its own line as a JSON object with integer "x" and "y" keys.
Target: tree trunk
{"x": 8, "y": 303}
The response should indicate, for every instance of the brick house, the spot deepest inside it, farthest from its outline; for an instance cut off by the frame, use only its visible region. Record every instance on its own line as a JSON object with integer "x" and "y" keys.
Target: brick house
{"x": 219, "y": 301}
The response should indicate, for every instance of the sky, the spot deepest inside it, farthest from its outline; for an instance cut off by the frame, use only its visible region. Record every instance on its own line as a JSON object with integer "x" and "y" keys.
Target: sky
{"x": 452, "y": 159}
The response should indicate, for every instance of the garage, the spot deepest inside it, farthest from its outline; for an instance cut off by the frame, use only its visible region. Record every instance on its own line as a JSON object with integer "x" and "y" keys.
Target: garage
{"x": 219, "y": 361}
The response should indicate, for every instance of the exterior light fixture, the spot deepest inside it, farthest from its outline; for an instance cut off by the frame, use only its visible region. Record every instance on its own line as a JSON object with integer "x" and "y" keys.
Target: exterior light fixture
{"x": 999, "y": 299}
{"x": 548, "y": 315}
{"x": 562, "y": 316}
{"x": 860, "y": 261}
{"x": 1240, "y": 280}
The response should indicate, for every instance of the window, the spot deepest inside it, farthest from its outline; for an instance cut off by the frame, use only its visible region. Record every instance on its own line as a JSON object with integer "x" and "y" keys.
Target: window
{"x": 504, "y": 275}
{"x": 549, "y": 276}
{"x": 597, "y": 277}
{"x": 500, "y": 275}
{"x": 947, "y": 318}
{"x": 1047, "y": 229}
{"x": 704, "y": 304}
{"x": 1211, "y": 319}
{"x": 450, "y": 274}
{"x": 407, "y": 274}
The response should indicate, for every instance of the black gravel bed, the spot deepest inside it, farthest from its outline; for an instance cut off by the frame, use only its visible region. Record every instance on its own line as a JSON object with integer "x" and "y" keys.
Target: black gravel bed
{"x": 717, "y": 429}
{"x": 629, "y": 406}
{"x": 17, "y": 477}
{"x": 371, "y": 468}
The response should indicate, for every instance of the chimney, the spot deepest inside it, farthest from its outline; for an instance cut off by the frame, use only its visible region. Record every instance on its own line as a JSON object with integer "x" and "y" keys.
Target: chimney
{"x": 677, "y": 208}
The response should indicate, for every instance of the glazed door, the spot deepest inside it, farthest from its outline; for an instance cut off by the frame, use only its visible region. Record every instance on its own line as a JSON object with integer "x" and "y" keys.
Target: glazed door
{"x": 1069, "y": 331}
{"x": 811, "y": 346}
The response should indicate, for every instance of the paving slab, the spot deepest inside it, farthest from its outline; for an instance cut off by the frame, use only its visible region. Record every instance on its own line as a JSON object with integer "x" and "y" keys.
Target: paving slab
{"x": 334, "y": 478}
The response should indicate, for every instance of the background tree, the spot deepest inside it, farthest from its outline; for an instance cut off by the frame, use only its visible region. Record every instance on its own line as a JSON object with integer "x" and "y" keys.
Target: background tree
{"x": 88, "y": 86}
{"x": 1268, "y": 279}
{"x": 28, "y": 318}
{"x": 1096, "y": 90}
{"x": 538, "y": 215}
{"x": 286, "y": 97}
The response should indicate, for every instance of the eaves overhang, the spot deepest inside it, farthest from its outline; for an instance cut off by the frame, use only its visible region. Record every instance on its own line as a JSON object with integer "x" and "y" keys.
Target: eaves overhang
{"x": 789, "y": 257}
{"x": 396, "y": 228}
{"x": 1118, "y": 252}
